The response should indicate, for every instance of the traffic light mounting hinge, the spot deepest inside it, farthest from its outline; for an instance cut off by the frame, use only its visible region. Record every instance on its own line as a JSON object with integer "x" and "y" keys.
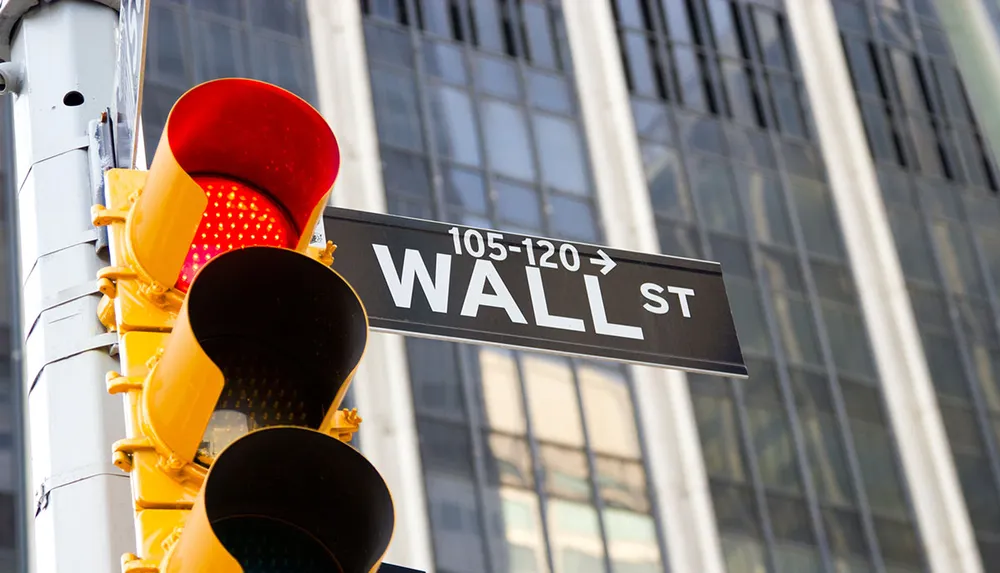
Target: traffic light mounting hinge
{"x": 345, "y": 424}
{"x": 118, "y": 384}
{"x": 132, "y": 564}
{"x": 122, "y": 451}
{"x": 324, "y": 254}
{"x": 101, "y": 216}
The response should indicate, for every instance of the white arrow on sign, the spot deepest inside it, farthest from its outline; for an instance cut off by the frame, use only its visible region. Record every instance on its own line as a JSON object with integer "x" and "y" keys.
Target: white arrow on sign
{"x": 605, "y": 261}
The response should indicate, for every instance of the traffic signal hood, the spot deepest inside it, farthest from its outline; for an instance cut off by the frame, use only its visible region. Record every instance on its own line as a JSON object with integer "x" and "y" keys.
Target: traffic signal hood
{"x": 237, "y": 345}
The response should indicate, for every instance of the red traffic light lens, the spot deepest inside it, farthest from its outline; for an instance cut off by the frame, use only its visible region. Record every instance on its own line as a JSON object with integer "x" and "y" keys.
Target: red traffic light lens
{"x": 237, "y": 216}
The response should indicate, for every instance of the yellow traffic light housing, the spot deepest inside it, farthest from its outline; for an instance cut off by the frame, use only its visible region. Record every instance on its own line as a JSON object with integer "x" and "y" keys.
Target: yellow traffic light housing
{"x": 237, "y": 343}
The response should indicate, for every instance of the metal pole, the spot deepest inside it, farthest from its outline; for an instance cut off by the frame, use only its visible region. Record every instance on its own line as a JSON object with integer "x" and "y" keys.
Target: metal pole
{"x": 974, "y": 41}
{"x": 64, "y": 54}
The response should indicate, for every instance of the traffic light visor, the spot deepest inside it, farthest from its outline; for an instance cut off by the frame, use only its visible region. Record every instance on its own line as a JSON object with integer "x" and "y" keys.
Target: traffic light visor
{"x": 266, "y": 337}
{"x": 287, "y": 499}
{"x": 269, "y": 153}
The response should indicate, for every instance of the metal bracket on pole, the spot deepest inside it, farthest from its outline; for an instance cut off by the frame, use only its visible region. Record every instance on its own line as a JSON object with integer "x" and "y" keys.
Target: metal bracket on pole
{"x": 57, "y": 481}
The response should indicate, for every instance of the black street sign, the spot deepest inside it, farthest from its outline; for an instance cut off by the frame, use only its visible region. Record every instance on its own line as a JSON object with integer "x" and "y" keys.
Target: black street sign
{"x": 461, "y": 283}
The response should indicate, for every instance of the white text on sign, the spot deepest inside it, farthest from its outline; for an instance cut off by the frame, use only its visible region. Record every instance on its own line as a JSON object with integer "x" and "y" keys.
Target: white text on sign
{"x": 539, "y": 253}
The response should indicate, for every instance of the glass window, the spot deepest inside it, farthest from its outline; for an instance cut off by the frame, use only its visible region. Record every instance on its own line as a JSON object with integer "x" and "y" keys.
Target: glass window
{"x": 388, "y": 45}
{"x": 497, "y": 77}
{"x": 770, "y": 35}
{"x": 678, "y": 25}
{"x": 507, "y": 141}
{"x": 436, "y": 17}
{"x": 629, "y": 13}
{"x": 947, "y": 79}
{"x": 816, "y": 214}
{"x": 863, "y": 70}
{"x": 572, "y": 218}
{"x": 446, "y": 447}
{"x": 881, "y": 135}
{"x": 748, "y": 316}
{"x": 786, "y": 104}
{"x": 957, "y": 258}
{"x": 575, "y": 538}
{"x": 508, "y": 461}
{"x": 690, "y": 79}
{"x": 678, "y": 240}
{"x": 518, "y": 204}
{"x": 750, "y": 146}
{"x": 501, "y": 390}
{"x": 652, "y": 122}
{"x": 910, "y": 80}
{"x": 609, "y": 412}
{"x": 538, "y": 34}
{"x": 632, "y": 544}
{"x": 622, "y": 483}
{"x": 713, "y": 186}
{"x": 741, "y": 100}
{"x": 876, "y": 459}
{"x": 487, "y": 22}
{"x": 702, "y": 133}
{"x": 565, "y": 472}
{"x": 639, "y": 62}
{"x": 282, "y": 62}
{"x": 944, "y": 362}
{"x": 518, "y": 525}
{"x": 455, "y": 523}
{"x": 843, "y": 528}
{"x": 742, "y": 555}
{"x": 912, "y": 244}
{"x": 165, "y": 59}
{"x": 219, "y": 49}
{"x": 767, "y": 210}
{"x": 454, "y": 124}
{"x": 733, "y": 255}
{"x": 826, "y": 458}
{"x": 405, "y": 173}
{"x": 782, "y": 270}
{"x": 848, "y": 341}
{"x": 720, "y": 436}
{"x": 437, "y": 388}
{"x": 549, "y": 381}
{"x": 790, "y": 521}
{"x": 397, "y": 114}
{"x": 894, "y": 26}
{"x": 285, "y": 16}
{"x": 549, "y": 92}
{"x": 735, "y": 509}
{"x": 727, "y": 40}
{"x": 561, "y": 153}
{"x": 465, "y": 189}
{"x": 666, "y": 189}
{"x": 795, "y": 325}
{"x": 772, "y": 443}
{"x": 834, "y": 282}
{"x": 980, "y": 492}
{"x": 445, "y": 61}
{"x": 926, "y": 142}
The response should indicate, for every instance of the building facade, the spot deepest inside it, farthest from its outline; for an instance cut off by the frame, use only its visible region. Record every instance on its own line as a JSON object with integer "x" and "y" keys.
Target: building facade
{"x": 825, "y": 152}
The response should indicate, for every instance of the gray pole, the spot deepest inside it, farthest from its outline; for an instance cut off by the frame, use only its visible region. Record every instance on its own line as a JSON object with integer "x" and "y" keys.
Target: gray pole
{"x": 973, "y": 38}
{"x": 63, "y": 54}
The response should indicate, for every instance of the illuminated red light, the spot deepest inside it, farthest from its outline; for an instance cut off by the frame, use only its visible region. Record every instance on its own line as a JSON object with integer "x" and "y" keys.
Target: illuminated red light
{"x": 237, "y": 216}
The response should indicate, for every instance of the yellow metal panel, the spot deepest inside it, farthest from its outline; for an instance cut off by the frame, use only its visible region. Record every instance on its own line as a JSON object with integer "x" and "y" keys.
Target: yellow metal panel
{"x": 157, "y": 528}
{"x": 181, "y": 392}
{"x": 165, "y": 217}
{"x": 154, "y": 488}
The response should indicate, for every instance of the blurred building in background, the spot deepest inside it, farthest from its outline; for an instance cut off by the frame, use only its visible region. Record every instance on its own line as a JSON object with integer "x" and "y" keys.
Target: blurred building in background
{"x": 824, "y": 151}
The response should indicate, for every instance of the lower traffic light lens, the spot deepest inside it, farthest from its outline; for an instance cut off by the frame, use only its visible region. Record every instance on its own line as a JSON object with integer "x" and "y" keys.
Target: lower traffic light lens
{"x": 237, "y": 216}
{"x": 264, "y": 545}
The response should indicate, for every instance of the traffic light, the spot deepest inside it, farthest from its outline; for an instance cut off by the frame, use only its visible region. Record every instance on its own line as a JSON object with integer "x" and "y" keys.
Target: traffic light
{"x": 237, "y": 344}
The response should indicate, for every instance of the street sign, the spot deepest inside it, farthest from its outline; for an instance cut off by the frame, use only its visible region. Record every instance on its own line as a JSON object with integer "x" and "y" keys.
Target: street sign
{"x": 133, "y": 19}
{"x": 461, "y": 283}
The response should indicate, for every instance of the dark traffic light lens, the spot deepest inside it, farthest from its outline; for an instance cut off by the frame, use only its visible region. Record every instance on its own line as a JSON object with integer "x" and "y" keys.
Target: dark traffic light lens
{"x": 263, "y": 545}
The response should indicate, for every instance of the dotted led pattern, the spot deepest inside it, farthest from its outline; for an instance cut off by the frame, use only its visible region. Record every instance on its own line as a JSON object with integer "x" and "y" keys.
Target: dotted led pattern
{"x": 265, "y": 388}
{"x": 262, "y": 545}
{"x": 237, "y": 215}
